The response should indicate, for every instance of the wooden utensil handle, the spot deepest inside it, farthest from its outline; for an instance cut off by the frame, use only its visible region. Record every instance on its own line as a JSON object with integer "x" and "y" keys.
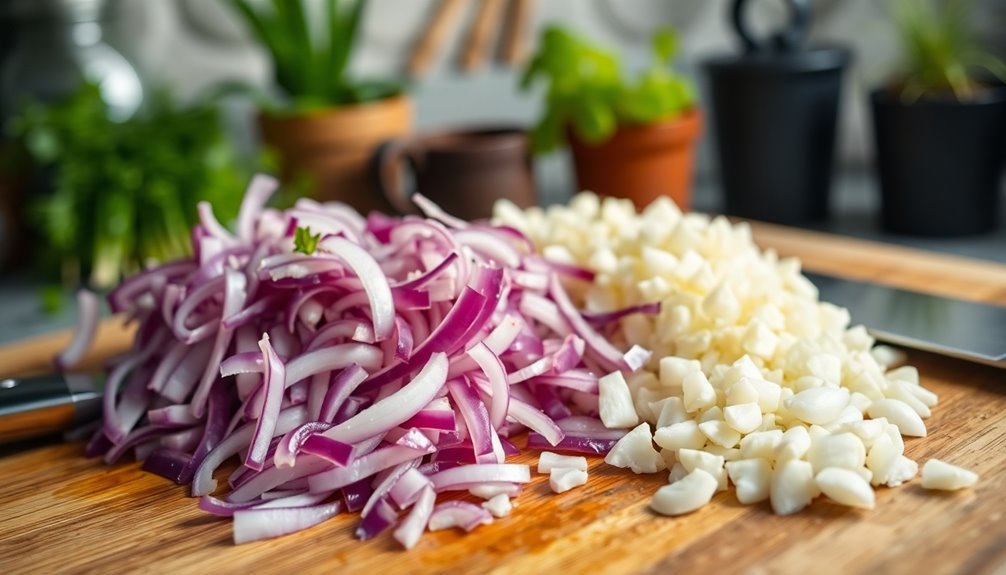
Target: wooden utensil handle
{"x": 515, "y": 39}
{"x": 481, "y": 34}
{"x": 434, "y": 35}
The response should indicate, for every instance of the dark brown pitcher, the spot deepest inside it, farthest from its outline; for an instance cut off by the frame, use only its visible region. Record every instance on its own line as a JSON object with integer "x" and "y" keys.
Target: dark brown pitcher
{"x": 463, "y": 171}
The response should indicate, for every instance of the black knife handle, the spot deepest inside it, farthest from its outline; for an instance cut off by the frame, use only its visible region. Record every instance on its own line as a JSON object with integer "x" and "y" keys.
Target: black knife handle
{"x": 43, "y": 405}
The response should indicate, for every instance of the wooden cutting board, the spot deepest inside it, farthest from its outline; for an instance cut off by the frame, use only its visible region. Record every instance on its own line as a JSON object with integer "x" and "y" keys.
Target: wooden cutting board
{"x": 62, "y": 513}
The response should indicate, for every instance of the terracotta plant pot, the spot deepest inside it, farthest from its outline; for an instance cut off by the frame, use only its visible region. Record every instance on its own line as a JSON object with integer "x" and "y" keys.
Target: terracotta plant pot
{"x": 641, "y": 163}
{"x": 334, "y": 146}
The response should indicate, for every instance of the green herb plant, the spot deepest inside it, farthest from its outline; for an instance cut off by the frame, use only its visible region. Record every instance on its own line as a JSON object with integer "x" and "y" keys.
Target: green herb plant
{"x": 586, "y": 89}
{"x": 311, "y": 63}
{"x": 121, "y": 194}
{"x": 941, "y": 52}
{"x": 304, "y": 241}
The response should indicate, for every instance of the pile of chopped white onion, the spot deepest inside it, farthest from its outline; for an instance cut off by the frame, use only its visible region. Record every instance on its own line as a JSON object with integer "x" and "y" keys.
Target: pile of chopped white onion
{"x": 386, "y": 367}
{"x": 753, "y": 381}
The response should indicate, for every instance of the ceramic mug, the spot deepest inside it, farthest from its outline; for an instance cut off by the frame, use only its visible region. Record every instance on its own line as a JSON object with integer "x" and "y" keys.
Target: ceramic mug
{"x": 463, "y": 171}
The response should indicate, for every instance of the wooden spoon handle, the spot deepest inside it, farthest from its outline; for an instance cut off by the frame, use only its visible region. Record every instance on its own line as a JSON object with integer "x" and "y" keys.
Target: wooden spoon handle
{"x": 434, "y": 35}
{"x": 515, "y": 40}
{"x": 481, "y": 34}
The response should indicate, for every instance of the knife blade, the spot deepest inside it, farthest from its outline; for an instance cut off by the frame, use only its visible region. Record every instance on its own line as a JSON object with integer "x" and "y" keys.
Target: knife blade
{"x": 33, "y": 407}
{"x": 953, "y": 327}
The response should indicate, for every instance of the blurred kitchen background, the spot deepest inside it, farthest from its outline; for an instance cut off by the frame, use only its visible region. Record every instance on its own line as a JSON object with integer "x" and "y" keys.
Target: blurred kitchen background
{"x": 193, "y": 47}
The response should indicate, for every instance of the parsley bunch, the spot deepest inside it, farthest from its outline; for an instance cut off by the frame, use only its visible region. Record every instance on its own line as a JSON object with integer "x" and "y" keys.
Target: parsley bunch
{"x": 122, "y": 194}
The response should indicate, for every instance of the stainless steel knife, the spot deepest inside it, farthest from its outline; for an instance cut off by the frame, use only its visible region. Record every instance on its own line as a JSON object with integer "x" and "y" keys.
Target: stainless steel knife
{"x": 953, "y": 327}
{"x": 33, "y": 407}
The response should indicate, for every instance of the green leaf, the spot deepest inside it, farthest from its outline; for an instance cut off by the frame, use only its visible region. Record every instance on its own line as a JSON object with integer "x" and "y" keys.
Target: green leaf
{"x": 665, "y": 45}
{"x": 941, "y": 52}
{"x": 304, "y": 242}
{"x": 585, "y": 88}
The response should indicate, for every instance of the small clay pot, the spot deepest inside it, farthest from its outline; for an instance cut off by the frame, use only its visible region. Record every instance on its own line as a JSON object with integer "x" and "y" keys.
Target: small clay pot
{"x": 464, "y": 171}
{"x": 641, "y": 162}
{"x": 333, "y": 147}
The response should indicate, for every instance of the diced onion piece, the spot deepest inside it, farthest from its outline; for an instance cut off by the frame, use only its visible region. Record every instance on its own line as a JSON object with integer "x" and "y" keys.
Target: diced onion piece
{"x": 793, "y": 487}
{"x": 635, "y": 451}
{"x": 900, "y": 414}
{"x": 562, "y": 479}
{"x": 547, "y": 461}
{"x": 499, "y": 505}
{"x": 615, "y": 402}
{"x": 938, "y": 474}
{"x": 846, "y": 486}
{"x": 686, "y": 495}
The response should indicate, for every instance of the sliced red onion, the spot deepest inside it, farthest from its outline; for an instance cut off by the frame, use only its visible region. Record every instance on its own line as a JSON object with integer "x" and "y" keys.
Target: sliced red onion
{"x": 601, "y": 319}
{"x": 278, "y": 477}
{"x": 414, "y": 445}
{"x": 571, "y": 379}
{"x": 258, "y": 193}
{"x": 495, "y": 372}
{"x": 184, "y": 377}
{"x": 433, "y": 211}
{"x": 234, "y": 299}
{"x": 572, "y": 444}
{"x": 408, "y": 487}
{"x": 124, "y": 297}
{"x": 339, "y": 389}
{"x": 342, "y": 360}
{"x": 461, "y": 514}
{"x": 291, "y": 443}
{"x": 397, "y": 408}
{"x": 376, "y": 519}
{"x": 326, "y": 448}
{"x": 172, "y": 416}
{"x": 411, "y": 528}
{"x": 475, "y": 415}
{"x": 374, "y": 283}
{"x": 464, "y": 477}
{"x": 357, "y": 494}
{"x": 272, "y": 386}
{"x": 168, "y": 463}
{"x": 605, "y": 353}
{"x": 210, "y": 224}
{"x": 582, "y": 426}
{"x": 88, "y": 314}
{"x": 203, "y": 482}
{"x": 491, "y": 248}
{"x": 257, "y": 524}
{"x": 534, "y": 418}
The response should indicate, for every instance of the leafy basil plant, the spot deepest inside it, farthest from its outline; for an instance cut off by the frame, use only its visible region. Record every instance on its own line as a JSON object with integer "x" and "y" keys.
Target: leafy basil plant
{"x": 587, "y": 91}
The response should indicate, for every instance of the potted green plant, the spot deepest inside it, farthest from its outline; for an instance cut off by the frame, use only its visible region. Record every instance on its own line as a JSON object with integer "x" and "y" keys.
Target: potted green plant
{"x": 322, "y": 122}
{"x": 119, "y": 194}
{"x": 939, "y": 130}
{"x": 633, "y": 139}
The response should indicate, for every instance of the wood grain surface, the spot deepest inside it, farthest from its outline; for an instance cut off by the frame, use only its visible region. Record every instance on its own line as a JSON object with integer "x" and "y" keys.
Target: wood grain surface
{"x": 61, "y": 513}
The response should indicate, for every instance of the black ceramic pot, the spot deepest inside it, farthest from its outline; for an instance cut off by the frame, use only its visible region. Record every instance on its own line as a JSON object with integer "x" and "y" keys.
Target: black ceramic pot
{"x": 940, "y": 162}
{"x": 774, "y": 117}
